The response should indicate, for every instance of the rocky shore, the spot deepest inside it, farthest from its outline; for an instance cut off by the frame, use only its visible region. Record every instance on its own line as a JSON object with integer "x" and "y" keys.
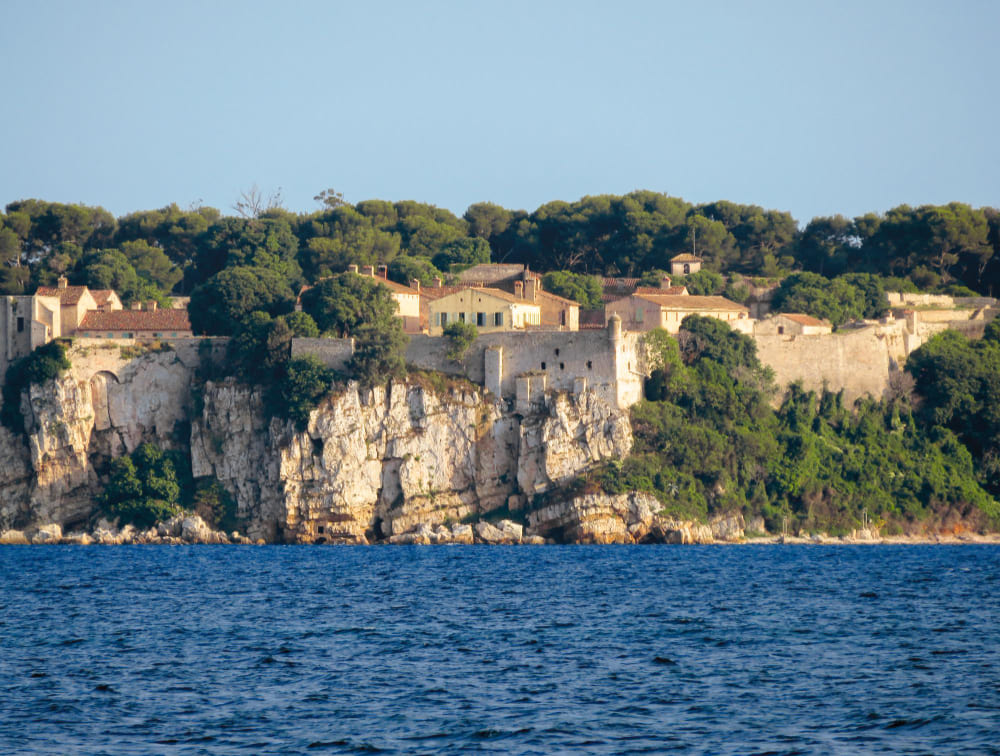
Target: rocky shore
{"x": 593, "y": 519}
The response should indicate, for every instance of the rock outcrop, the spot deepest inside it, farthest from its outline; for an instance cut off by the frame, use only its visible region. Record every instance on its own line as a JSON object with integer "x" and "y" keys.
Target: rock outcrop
{"x": 626, "y": 518}
{"x": 383, "y": 463}
{"x": 409, "y": 462}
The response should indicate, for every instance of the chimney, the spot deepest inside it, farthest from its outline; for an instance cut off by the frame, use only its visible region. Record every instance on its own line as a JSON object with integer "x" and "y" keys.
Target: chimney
{"x": 368, "y": 270}
{"x": 352, "y": 268}
{"x": 665, "y": 282}
{"x": 415, "y": 284}
{"x": 63, "y": 282}
{"x": 519, "y": 289}
{"x": 136, "y": 306}
{"x": 383, "y": 271}
{"x": 532, "y": 289}
{"x": 438, "y": 283}
{"x": 151, "y": 305}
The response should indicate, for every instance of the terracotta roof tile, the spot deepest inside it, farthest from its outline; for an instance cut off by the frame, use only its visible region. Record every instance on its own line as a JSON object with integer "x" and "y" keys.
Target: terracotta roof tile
{"x": 69, "y": 295}
{"x": 803, "y": 319}
{"x": 136, "y": 320}
{"x": 669, "y": 291}
{"x": 691, "y": 302}
{"x": 101, "y": 296}
{"x": 685, "y": 257}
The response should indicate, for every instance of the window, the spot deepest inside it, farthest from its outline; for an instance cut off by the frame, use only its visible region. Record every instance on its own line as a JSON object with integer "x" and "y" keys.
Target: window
{"x": 687, "y": 268}
{"x": 480, "y": 319}
{"x": 562, "y": 365}
{"x": 639, "y": 314}
{"x": 543, "y": 366}
{"x": 157, "y": 335}
{"x": 20, "y": 325}
{"x": 557, "y": 353}
{"x": 562, "y": 317}
{"x": 781, "y": 330}
{"x": 461, "y": 317}
{"x": 443, "y": 316}
{"x": 174, "y": 335}
{"x": 111, "y": 335}
{"x": 498, "y": 318}
{"x": 590, "y": 365}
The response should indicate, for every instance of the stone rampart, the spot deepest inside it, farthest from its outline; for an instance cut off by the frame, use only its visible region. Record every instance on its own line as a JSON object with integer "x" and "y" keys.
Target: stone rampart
{"x": 333, "y": 353}
{"x": 611, "y": 369}
{"x": 857, "y": 361}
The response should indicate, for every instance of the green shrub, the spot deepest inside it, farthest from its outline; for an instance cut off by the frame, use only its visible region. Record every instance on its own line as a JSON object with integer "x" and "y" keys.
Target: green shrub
{"x": 43, "y": 364}
{"x": 144, "y": 488}
{"x": 460, "y": 337}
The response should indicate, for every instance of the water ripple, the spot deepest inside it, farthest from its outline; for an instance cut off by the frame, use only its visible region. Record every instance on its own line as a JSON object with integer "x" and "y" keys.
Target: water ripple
{"x": 783, "y": 650}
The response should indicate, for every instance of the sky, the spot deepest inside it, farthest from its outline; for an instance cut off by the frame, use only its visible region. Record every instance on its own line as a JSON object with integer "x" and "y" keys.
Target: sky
{"x": 816, "y": 108}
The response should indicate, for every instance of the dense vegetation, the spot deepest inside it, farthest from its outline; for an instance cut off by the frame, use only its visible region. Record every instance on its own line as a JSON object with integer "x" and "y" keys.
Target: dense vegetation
{"x": 43, "y": 364}
{"x": 707, "y": 441}
{"x": 151, "y": 485}
{"x": 170, "y": 250}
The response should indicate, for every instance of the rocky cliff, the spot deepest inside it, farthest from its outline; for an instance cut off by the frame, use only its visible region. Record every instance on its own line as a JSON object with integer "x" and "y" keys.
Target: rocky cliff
{"x": 414, "y": 461}
{"x": 376, "y": 464}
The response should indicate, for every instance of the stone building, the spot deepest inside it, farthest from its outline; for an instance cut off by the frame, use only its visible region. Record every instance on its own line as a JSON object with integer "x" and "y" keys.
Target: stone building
{"x": 646, "y": 311}
{"x": 148, "y": 324}
{"x": 685, "y": 264}
{"x": 792, "y": 324}
{"x": 487, "y": 309}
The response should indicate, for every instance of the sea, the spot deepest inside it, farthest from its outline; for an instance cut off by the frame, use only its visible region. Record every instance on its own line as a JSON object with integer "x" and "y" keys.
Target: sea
{"x": 751, "y": 649}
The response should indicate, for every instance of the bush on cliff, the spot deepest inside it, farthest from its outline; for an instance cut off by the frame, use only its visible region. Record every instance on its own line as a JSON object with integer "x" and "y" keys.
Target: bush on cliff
{"x": 144, "y": 487}
{"x": 305, "y": 383}
{"x": 44, "y": 364}
{"x": 460, "y": 337}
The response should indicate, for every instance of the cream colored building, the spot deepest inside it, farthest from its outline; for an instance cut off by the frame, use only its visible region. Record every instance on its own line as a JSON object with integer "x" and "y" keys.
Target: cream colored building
{"x": 489, "y": 310}
{"x": 77, "y": 301}
{"x": 684, "y": 265}
{"x": 793, "y": 324}
{"x": 644, "y": 312}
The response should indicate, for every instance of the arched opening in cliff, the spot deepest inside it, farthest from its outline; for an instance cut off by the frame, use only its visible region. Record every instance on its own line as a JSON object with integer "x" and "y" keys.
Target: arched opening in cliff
{"x": 99, "y": 383}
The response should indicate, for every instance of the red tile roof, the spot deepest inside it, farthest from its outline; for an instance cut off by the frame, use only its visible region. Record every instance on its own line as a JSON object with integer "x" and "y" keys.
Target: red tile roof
{"x": 670, "y": 290}
{"x": 101, "y": 296}
{"x": 68, "y": 295}
{"x": 136, "y": 320}
{"x": 691, "y": 302}
{"x": 806, "y": 320}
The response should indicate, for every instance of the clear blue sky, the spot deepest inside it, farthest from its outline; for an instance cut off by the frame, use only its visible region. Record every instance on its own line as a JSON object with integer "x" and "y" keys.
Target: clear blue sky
{"x": 812, "y": 107}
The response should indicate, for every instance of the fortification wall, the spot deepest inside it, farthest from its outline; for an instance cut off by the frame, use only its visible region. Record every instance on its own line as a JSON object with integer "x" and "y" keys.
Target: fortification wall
{"x": 564, "y": 357}
{"x": 333, "y": 353}
{"x": 858, "y": 361}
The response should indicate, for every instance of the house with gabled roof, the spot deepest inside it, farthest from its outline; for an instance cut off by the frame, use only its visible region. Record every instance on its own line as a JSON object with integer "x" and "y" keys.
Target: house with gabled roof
{"x": 74, "y": 302}
{"x": 644, "y": 312}
{"x": 488, "y": 309}
{"x": 685, "y": 264}
{"x": 793, "y": 324}
{"x": 149, "y": 324}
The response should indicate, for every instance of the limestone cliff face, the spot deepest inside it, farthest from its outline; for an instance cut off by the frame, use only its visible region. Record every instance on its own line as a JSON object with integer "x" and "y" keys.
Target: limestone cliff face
{"x": 626, "y": 518}
{"x": 108, "y": 404}
{"x": 408, "y": 462}
{"x": 377, "y": 464}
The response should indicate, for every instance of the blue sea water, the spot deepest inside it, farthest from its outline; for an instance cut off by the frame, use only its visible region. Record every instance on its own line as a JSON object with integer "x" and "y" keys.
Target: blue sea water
{"x": 301, "y": 650}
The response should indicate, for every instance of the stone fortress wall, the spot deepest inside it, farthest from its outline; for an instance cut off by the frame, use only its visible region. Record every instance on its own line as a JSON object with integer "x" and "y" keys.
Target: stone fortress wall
{"x": 521, "y": 365}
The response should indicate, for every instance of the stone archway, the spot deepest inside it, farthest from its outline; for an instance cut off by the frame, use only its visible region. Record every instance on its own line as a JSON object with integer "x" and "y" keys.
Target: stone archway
{"x": 99, "y": 383}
